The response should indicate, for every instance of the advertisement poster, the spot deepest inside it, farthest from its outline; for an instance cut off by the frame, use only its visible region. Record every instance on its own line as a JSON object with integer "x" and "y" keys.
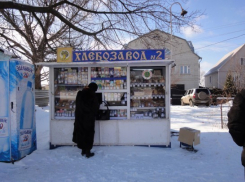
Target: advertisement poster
{"x": 22, "y": 90}
{"x": 3, "y": 127}
{"x": 4, "y": 112}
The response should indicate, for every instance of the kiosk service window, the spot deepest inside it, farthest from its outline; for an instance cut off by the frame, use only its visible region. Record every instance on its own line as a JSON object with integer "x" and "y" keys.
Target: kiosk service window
{"x": 146, "y": 90}
{"x": 67, "y": 81}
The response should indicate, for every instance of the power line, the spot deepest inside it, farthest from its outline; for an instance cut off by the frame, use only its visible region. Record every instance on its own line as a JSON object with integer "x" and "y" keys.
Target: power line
{"x": 221, "y": 41}
{"x": 226, "y": 25}
{"x": 218, "y": 35}
{"x": 211, "y": 44}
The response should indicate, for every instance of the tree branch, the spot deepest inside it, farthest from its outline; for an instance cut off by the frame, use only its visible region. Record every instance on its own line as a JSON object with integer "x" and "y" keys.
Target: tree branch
{"x": 31, "y": 9}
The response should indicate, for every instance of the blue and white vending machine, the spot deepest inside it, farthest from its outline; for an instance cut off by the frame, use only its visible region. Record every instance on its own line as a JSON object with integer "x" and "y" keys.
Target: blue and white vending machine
{"x": 17, "y": 109}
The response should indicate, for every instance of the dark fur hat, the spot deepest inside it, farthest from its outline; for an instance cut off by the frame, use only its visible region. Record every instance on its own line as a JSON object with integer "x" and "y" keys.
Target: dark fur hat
{"x": 93, "y": 86}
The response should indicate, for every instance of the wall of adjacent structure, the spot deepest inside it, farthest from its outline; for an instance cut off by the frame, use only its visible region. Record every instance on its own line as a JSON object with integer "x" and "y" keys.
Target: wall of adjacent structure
{"x": 233, "y": 65}
{"x": 214, "y": 81}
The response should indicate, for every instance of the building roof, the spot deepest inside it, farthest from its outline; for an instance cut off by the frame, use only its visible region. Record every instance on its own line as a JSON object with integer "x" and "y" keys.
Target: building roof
{"x": 223, "y": 60}
{"x": 189, "y": 43}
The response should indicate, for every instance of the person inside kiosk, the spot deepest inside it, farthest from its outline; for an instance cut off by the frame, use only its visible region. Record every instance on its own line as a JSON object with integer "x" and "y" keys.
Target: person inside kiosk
{"x": 87, "y": 106}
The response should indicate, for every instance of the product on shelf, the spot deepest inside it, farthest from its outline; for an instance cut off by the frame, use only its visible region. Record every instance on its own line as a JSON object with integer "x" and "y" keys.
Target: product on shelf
{"x": 147, "y": 91}
{"x": 118, "y": 113}
{"x": 109, "y": 78}
{"x": 138, "y": 92}
{"x": 111, "y": 72}
{"x": 72, "y": 76}
{"x": 117, "y": 72}
{"x": 148, "y": 114}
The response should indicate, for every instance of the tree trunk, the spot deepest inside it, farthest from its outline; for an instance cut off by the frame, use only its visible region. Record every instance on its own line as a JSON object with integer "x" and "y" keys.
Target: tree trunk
{"x": 38, "y": 77}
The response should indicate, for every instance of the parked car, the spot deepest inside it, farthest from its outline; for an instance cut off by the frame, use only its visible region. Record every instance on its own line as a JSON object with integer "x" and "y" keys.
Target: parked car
{"x": 197, "y": 96}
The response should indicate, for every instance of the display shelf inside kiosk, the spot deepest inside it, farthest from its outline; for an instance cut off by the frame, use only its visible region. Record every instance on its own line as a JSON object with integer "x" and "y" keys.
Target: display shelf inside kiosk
{"x": 67, "y": 82}
{"x": 147, "y": 93}
{"x": 112, "y": 83}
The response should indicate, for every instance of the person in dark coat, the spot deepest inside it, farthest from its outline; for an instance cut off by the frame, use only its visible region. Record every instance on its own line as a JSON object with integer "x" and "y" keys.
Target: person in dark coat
{"x": 236, "y": 122}
{"x": 87, "y": 107}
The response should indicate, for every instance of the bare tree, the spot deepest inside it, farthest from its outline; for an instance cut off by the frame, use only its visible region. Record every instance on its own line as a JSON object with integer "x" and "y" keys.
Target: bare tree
{"x": 238, "y": 74}
{"x": 35, "y": 29}
{"x": 202, "y": 78}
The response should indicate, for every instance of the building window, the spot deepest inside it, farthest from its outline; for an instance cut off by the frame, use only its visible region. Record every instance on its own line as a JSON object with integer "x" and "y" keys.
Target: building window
{"x": 242, "y": 61}
{"x": 235, "y": 77}
{"x": 210, "y": 79}
{"x": 184, "y": 70}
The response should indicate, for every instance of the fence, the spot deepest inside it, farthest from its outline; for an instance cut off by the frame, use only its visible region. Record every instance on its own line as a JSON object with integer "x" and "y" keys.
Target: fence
{"x": 42, "y": 97}
{"x": 216, "y": 116}
{"x": 225, "y": 106}
{"x": 176, "y": 94}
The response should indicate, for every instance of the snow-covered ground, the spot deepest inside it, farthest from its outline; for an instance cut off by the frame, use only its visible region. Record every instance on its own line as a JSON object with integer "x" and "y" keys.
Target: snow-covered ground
{"x": 217, "y": 159}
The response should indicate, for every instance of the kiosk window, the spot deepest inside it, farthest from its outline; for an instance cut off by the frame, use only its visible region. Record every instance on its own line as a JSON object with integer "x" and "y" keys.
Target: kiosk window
{"x": 147, "y": 92}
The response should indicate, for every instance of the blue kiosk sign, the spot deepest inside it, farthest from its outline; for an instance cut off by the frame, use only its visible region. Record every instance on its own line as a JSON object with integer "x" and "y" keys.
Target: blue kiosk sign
{"x": 118, "y": 55}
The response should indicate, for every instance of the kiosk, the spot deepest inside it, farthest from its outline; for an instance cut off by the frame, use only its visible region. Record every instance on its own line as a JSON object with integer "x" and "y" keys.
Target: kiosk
{"x": 135, "y": 83}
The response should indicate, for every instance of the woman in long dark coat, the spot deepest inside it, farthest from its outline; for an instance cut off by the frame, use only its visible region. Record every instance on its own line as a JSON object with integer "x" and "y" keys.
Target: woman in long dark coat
{"x": 86, "y": 109}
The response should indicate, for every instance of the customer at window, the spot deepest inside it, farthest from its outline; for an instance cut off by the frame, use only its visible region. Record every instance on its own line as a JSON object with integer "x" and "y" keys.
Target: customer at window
{"x": 87, "y": 107}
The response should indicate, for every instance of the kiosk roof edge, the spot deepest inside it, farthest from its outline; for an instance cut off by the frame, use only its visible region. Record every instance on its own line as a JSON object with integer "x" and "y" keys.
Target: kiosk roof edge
{"x": 108, "y": 63}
